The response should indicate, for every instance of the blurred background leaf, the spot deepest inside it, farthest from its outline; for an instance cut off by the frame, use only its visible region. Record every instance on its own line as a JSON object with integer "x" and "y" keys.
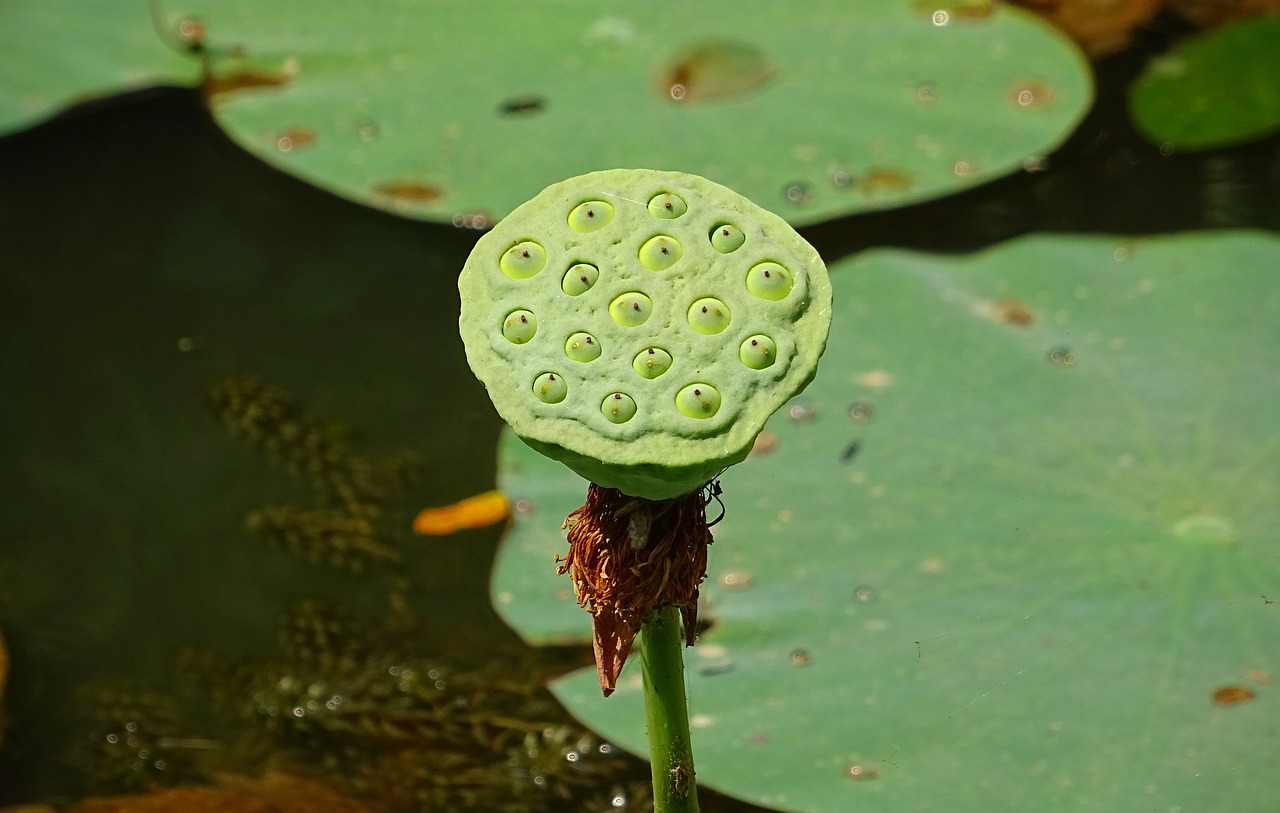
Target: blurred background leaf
{"x": 836, "y": 110}
{"x": 840, "y": 109}
{"x": 1221, "y": 87}
{"x": 1016, "y": 542}
{"x": 62, "y": 52}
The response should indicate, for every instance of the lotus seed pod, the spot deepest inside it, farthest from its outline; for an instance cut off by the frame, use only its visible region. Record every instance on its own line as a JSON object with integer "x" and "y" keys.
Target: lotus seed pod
{"x": 523, "y": 260}
{"x": 769, "y": 281}
{"x": 664, "y": 395}
{"x": 631, "y": 309}
{"x": 582, "y": 346}
{"x": 698, "y": 401}
{"x": 758, "y": 352}
{"x": 590, "y": 216}
{"x": 667, "y": 206}
{"x": 579, "y": 279}
{"x": 618, "y": 407}
{"x": 660, "y": 253}
{"x": 520, "y": 326}
{"x": 651, "y": 362}
{"x": 709, "y": 316}
{"x": 727, "y": 238}
{"x": 550, "y": 388}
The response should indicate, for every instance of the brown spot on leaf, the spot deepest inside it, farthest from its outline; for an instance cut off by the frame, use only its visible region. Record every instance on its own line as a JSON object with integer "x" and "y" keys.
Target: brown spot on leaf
{"x": 294, "y": 138}
{"x": 714, "y": 70}
{"x": 1031, "y": 94}
{"x": 877, "y": 180}
{"x": 859, "y": 771}
{"x": 1231, "y": 695}
{"x": 215, "y": 87}
{"x": 191, "y": 31}
{"x": 956, "y": 9}
{"x": 764, "y": 443}
{"x": 874, "y": 378}
{"x": 1007, "y": 310}
{"x": 407, "y": 192}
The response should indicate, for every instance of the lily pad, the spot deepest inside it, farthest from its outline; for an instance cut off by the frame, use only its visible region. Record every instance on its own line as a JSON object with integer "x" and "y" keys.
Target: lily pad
{"x": 1017, "y": 542}
{"x": 1219, "y": 88}
{"x": 459, "y": 111}
{"x": 59, "y": 52}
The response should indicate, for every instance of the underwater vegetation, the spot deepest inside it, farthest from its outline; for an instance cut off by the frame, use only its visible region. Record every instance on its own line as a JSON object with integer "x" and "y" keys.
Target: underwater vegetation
{"x": 344, "y": 703}
{"x": 346, "y": 526}
{"x": 346, "y": 699}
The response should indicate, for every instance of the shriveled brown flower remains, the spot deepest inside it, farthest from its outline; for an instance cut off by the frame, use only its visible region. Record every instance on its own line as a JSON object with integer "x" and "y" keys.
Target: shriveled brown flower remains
{"x": 629, "y": 556}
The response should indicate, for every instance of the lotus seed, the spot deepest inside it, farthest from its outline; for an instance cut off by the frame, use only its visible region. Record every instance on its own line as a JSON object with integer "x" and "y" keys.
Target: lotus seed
{"x": 519, "y": 326}
{"x": 769, "y": 280}
{"x": 523, "y": 260}
{"x": 579, "y": 279}
{"x": 582, "y": 347}
{"x": 590, "y": 216}
{"x": 618, "y": 407}
{"x": 652, "y": 362}
{"x": 660, "y": 253}
{"x": 667, "y": 206}
{"x": 698, "y": 401}
{"x": 631, "y": 309}
{"x": 758, "y": 352}
{"x": 550, "y": 388}
{"x": 727, "y": 238}
{"x": 708, "y": 316}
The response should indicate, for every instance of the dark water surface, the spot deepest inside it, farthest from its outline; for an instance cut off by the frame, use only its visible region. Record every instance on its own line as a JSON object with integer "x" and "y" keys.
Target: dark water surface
{"x": 143, "y": 256}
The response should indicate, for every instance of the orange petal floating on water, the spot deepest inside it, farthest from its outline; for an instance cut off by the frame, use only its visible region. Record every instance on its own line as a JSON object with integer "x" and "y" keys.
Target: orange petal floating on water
{"x": 478, "y": 511}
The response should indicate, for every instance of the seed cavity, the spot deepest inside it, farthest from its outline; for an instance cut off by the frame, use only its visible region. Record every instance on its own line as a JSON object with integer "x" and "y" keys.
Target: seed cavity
{"x": 618, "y": 407}
{"x": 660, "y": 253}
{"x": 758, "y": 352}
{"x": 698, "y": 401}
{"x": 590, "y": 216}
{"x": 519, "y": 326}
{"x": 550, "y": 388}
{"x": 582, "y": 346}
{"x": 709, "y": 316}
{"x": 523, "y": 260}
{"x": 727, "y": 238}
{"x": 631, "y": 309}
{"x": 651, "y": 362}
{"x": 667, "y": 206}
{"x": 768, "y": 280}
{"x": 579, "y": 279}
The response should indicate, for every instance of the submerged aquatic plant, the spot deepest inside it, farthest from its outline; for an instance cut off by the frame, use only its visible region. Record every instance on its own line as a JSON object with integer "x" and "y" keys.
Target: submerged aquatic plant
{"x": 641, "y": 326}
{"x": 345, "y": 700}
{"x": 347, "y": 527}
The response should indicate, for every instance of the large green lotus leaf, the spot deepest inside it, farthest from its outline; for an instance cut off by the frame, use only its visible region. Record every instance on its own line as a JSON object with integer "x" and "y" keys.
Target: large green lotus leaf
{"x": 463, "y": 109}
{"x": 58, "y": 52}
{"x": 1219, "y": 88}
{"x": 1016, "y": 548}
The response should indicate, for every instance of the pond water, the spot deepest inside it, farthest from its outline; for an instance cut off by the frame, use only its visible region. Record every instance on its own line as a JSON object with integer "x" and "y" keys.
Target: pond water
{"x": 146, "y": 258}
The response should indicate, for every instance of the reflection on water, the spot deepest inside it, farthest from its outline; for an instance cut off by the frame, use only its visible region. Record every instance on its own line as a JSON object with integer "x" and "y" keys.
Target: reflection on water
{"x": 146, "y": 257}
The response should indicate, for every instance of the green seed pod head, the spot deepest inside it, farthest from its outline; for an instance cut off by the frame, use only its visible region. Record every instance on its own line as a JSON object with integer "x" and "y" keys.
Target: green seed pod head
{"x": 665, "y": 394}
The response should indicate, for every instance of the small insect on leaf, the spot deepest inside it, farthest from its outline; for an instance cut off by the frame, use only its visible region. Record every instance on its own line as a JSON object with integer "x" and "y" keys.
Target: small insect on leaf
{"x": 522, "y": 106}
{"x": 478, "y": 511}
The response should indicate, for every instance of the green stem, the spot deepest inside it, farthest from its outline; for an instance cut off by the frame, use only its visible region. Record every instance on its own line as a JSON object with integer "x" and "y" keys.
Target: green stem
{"x": 667, "y": 713}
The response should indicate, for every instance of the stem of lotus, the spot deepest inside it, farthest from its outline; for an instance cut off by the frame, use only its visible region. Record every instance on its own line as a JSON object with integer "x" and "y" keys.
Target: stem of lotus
{"x": 667, "y": 713}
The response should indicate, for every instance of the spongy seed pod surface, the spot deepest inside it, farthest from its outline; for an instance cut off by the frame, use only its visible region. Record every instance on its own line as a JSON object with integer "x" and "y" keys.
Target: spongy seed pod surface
{"x": 614, "y": 331}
